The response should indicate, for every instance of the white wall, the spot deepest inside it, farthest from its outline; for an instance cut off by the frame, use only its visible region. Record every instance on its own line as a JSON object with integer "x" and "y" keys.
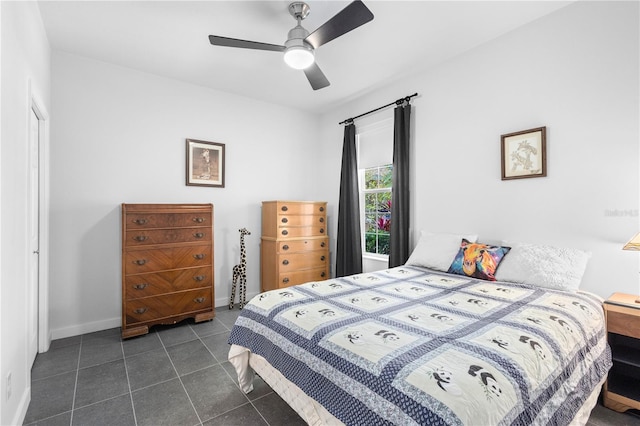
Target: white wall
{"x": 574, "y": 71}
{"x": 118, "y": 135}
{"x": 25, "y": 72}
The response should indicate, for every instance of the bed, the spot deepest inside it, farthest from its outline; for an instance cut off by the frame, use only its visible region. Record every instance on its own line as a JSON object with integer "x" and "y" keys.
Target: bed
{"x": 412, "y": 345}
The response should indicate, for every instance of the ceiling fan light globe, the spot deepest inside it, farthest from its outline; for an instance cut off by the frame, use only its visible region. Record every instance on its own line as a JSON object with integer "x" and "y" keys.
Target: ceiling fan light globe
{"x": 298, "y": 57}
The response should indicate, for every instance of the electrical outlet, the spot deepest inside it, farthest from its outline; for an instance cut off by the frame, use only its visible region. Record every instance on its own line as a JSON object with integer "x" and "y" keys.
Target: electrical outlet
{"x": 8, "y": 386}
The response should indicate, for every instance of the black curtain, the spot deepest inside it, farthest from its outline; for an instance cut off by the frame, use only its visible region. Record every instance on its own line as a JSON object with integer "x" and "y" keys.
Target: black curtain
{"x": 349, "y": 247}
{"x": 400, "y": 204}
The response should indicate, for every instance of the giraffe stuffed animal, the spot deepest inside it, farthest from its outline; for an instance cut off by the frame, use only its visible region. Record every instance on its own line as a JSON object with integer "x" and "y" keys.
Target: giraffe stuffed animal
{"x": 240, "y": 272}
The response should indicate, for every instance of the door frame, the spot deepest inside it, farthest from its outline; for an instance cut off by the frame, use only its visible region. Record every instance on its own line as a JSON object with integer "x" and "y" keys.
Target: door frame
{"x": 44, "y": 331}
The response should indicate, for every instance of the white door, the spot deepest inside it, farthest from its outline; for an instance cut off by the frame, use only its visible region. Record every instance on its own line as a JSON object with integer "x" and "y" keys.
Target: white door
{"x": 34, "y": 236}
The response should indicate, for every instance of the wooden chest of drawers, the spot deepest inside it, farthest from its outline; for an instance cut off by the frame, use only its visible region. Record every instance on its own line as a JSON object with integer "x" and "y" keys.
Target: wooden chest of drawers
{"x": 167, "y": 265}
{"x": 295, "y": 245}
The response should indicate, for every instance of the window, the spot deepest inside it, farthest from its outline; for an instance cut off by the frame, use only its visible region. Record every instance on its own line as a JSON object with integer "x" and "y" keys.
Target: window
{"x": 375, "y": 170}
{"x": 376, "y": 189}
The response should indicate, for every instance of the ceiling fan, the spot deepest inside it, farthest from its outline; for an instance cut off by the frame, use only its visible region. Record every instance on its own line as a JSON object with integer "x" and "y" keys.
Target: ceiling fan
{"x": 300, "y": 45}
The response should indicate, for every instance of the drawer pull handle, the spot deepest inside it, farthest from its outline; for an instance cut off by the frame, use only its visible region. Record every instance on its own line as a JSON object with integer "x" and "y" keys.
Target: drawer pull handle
{"x": 140, "y": 238}
{"x": 285, "y": 262}
{"x": 322, "y": 220}
{"x": 322, "y": 244}
{"x": 285, "y": 220}
{"x": 199, "y": 299}
{"x": 285, "y": 280}
{"x": 321, "y": 257}
{"x": 198, "y": 235}
{"x": 140, "y": 311}
{"x": 140, "y": 286}
{"x": 285, "y": 232}
{"x": 322, "y": 230}
{"x": 321, "y": 209}
{"x": 285, "y": 247}
{"x": 140, "y": 221}
{"x": 323, "y": 274}
{"x": 140, "y": 262}
{"x": 285, "y": 208}
{"x": 199, "y": 256}
{"x": 198, "y": 219}
{"x": 199, "y": 277}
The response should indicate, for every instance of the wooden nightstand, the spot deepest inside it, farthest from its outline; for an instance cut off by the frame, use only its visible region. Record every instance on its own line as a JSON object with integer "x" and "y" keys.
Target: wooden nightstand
{"x": 622, "y": 388}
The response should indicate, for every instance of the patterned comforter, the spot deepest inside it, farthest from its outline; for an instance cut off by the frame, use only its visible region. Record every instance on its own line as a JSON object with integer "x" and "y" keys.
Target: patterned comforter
{"x": 413, "y": 346}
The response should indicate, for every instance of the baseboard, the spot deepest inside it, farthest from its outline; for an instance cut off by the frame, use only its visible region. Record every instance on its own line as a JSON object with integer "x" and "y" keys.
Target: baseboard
{"x": 225, "y": 301}
{"x": 90, "y": 327}
{"x": 21, "y": 411}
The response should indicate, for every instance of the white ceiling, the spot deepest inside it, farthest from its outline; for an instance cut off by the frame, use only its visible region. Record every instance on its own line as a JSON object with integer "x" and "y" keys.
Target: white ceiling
{"x": 170, "y": 39}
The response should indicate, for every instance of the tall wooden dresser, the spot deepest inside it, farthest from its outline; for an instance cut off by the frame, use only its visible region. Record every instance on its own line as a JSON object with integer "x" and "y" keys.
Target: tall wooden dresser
{"x": 167, "y": 265}
{"x": 295, "y": 245}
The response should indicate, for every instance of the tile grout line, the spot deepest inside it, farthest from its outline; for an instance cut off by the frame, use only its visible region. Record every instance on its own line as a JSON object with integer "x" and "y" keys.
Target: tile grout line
{"x": 179, "y": 378}
{"x": 227, "y": 373}
{"x": 75, "y": 385}
{"x": 126, "y": 371}
{"x": 238, "y": 383}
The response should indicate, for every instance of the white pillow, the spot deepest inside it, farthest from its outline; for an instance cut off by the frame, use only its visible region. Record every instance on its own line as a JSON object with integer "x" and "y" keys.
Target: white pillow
{"x": 544, "y": 266}
{"x": 437, "y": 250}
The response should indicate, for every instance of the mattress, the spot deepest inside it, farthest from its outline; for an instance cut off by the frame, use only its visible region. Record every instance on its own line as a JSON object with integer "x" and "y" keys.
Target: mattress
{"x": 414, "y": 346}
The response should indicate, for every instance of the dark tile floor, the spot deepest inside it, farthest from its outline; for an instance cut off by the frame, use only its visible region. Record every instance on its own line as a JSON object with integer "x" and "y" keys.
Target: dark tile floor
{"x": 175, "y": 375}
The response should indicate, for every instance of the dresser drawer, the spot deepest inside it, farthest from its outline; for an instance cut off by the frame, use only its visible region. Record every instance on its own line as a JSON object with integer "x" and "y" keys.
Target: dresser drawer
{"x": 151, "y": 260}
{"x": 300, "y": 277}
{"x": 156, "y": 283}
{"x": 157, "y": 307}
{"x": 303, "y": 245}
{"x": 166, "y": 236}
{"x": 167, "y": 220}
{"x": 302, "y": 231}
{"x": 304, "y": 260}
{"x": 304, "y": 220}
{"x": 284, "y": 207}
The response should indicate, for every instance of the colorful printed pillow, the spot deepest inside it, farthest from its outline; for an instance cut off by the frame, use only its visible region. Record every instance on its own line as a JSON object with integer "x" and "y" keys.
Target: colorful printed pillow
{"x": 478, "y": 260}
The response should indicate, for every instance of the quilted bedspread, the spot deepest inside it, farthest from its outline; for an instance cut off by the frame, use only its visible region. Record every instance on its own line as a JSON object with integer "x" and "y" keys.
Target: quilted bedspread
{"x": 414, "y": 346}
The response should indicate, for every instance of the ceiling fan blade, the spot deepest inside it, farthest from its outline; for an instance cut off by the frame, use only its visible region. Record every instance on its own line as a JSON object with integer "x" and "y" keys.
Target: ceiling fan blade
{"x": 349, "y": 18}
{"x": 245, "y": 44}
{"x": 316, "y": 77}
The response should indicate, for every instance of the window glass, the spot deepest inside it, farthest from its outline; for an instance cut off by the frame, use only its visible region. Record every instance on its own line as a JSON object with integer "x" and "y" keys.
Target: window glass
{"x": 377, "y": 208}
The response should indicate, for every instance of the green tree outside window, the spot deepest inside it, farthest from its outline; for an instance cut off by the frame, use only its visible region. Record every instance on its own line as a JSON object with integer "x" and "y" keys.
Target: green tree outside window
{"x": 377, "y": 214}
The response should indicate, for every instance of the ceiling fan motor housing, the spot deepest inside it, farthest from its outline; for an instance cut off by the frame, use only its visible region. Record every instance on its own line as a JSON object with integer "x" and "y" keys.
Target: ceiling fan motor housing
{"x": 295, "y": 39}
{"x": 298, "y": 53}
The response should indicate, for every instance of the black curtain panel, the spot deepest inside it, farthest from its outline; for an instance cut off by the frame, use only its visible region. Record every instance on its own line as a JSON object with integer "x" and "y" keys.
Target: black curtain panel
{"x": 349, "y": 247}
{"x": 400, "y": 204}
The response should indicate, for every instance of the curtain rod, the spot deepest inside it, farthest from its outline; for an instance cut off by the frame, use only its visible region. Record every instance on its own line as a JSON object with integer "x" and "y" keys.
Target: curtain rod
{"x": 397, "y": 102}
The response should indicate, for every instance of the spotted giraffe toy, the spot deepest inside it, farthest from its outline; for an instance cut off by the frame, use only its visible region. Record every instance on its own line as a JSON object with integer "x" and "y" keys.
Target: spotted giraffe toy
{"x": 240, "y": 271}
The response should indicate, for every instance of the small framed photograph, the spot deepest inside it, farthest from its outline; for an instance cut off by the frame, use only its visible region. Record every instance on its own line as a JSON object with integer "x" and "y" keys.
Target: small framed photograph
{"x": 524, "y": 154}
{"x": 205, "y": 163}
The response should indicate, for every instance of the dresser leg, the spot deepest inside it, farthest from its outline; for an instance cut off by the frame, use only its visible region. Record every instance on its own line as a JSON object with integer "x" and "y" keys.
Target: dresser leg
{"x": 136, "y": 331}
{"x": 205, "y": 316}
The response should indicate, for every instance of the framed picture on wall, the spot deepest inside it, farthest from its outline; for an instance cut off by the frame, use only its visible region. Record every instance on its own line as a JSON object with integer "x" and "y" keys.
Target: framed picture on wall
{"x": 205, "y": 163}
{"x": 524, "y": 154}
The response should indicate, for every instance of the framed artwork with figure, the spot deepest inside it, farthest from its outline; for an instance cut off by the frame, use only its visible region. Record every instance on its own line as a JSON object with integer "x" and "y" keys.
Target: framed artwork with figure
{"x": 205, "y": 163}
{"x": 524, "y": 154}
